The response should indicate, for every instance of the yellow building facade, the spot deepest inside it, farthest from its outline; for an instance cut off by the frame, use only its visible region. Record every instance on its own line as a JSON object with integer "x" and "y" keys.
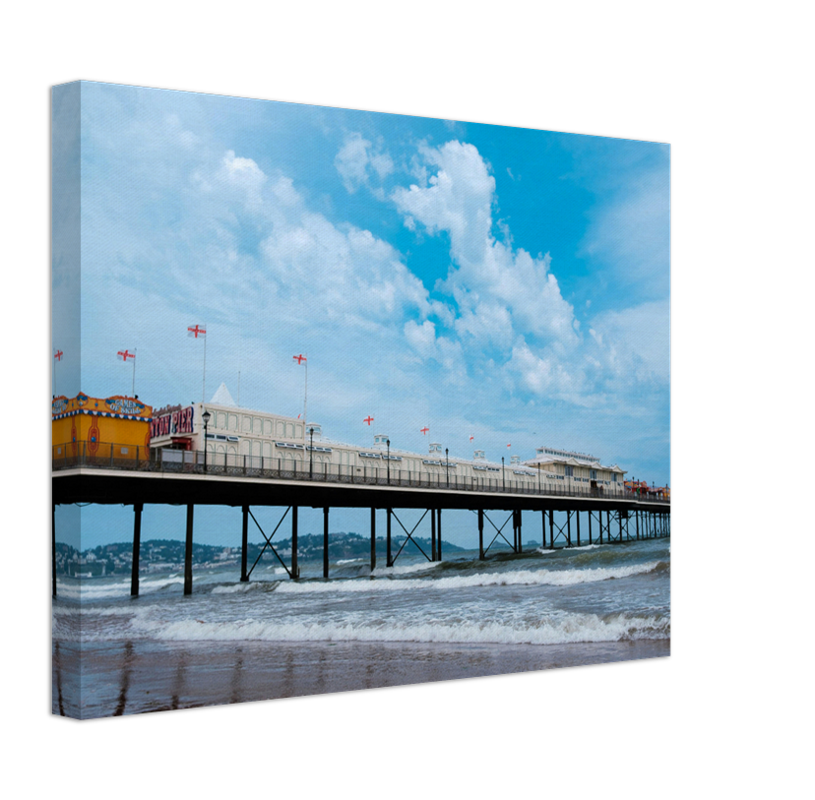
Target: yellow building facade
{"x": 112, "y": 427}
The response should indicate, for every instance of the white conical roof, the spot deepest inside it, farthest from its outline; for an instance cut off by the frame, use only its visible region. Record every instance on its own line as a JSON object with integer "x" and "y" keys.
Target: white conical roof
{"x": 222, "y": 397}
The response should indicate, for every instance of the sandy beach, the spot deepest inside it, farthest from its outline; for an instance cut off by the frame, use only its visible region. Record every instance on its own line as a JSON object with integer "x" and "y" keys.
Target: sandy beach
{"x": 136, "y": 677}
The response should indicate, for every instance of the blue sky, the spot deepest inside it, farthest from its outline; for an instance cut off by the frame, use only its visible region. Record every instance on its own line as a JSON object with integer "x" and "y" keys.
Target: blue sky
{"x": 502, "y": 283}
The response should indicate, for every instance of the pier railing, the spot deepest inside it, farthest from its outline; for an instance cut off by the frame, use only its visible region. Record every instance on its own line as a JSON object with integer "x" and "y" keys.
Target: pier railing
{"x": 112, "y": 456}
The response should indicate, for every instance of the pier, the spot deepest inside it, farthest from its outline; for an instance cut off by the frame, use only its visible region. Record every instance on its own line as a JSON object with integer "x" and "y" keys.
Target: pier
{"x": 592, "y": 516}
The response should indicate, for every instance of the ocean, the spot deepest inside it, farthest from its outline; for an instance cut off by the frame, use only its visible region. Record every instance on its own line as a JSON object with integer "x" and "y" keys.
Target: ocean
{"x": 415, "y": 622}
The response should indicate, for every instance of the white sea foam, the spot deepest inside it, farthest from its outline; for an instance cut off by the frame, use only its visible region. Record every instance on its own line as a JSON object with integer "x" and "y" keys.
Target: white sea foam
{"x": 515, "y": 578}
{"x": 555, "y": 630}
{"x": 235, "y": 588}
{"x": 91, "y": 590}
{"x": 421, "y": 567}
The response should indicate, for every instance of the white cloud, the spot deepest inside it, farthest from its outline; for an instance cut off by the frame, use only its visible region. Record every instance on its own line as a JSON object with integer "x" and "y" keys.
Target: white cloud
{"x": 422, "y": 338}
{"x": 544, "y": 375}
{"x": 457, "y": 199}
{"x": 499, "y": 290}
{"x": 241, "y": 176}
{"x": 633, "y": 344}
{"x": 357, "y": 161}
{"x": 509, "y": 303}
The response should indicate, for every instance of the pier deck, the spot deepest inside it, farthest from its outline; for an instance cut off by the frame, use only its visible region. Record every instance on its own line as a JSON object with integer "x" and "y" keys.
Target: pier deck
{"x": 140, "y": 482}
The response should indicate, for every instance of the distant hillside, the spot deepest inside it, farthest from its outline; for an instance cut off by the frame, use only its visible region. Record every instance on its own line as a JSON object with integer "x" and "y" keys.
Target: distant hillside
{"x": 117, "y": 558}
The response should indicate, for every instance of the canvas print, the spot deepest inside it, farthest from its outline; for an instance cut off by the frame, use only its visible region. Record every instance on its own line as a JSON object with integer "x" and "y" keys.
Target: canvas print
{"x": 345, "y": 400}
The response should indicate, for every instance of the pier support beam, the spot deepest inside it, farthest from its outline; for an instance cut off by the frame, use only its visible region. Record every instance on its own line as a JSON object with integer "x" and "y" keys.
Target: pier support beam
{"x": 188, "y": 552}
{"x": 481, "y": 534}
{"x": 134, "y": 570}
{"x": 433, "y": 552}
{"x": 551, "y": 529}
{"x": 373, "y": 539}
{"x": 438, "y": 537}
{"x": 568, "y": 529}
{"x": 637, "y": 522}
{"x": 590, "y": 541}
{"x": 244, "y": 542}
{"x": 520, "y": 537}
{"x": 388, "y": 537}
{"x": 325, "y": 542}
{"x": 295, "y": 570}
{"x": 577, "y": 515}
{"x": 543, "y": 530}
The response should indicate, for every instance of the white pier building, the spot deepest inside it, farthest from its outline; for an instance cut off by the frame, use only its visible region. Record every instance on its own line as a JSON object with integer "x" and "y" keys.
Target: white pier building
{"x": 239, "y": 437}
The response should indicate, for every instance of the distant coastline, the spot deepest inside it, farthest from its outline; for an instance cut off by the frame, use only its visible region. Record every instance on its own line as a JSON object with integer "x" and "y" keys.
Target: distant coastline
{"x": 156, "y": 554}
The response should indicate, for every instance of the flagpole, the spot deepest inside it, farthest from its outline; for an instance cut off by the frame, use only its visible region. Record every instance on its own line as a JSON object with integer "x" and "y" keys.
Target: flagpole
{"x": 133, "y": 389}
{"x": 204, "y": 387}
{"x": 54, "y": 377}
{"x": 305, "y": 412}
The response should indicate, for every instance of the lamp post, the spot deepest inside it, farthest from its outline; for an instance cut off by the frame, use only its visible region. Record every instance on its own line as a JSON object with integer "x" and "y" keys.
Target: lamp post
{"x": 388, "y": 442}
{"x": 206, "y": 416}
{"x": 447, "y": 457}
{"x": 311, "y": 454}
{"x": 503, "y": 476}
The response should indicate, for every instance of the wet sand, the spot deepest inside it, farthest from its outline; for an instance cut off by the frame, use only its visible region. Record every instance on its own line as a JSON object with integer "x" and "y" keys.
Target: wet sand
{"x": 136, "y": 677}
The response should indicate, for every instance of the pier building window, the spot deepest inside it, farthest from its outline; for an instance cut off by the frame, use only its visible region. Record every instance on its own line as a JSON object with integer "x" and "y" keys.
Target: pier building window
{"x": 569, "y": 471}
{"x": 267, "y": 427}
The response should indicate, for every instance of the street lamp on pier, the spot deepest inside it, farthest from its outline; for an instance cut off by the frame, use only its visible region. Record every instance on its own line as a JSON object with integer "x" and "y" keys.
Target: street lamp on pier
{"x": 206, "y": 416}
{"x": 503, "y": 476}
{"x": 311, "y": 454}
{"x": 447, "y": 457}
{"x": 388, "y": 443}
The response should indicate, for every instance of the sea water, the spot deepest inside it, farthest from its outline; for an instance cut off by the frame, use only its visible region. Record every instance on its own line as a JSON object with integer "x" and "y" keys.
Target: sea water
{"x": 414, "y": 621}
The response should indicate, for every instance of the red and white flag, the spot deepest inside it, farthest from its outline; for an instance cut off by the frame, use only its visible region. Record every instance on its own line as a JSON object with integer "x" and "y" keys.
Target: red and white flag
{"x": 472, "y": 437}
{"x": 58, "y": 355}
{"x": 509, "y": 445}
{"x": 196, "y": 331}
{"x": 369, "y": 419}
{"x": 123, "y": 355}
{"x": 299, "y": 358}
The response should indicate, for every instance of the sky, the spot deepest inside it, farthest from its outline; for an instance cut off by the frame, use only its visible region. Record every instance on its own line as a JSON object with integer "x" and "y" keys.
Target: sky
{"x": 499, "y": 283}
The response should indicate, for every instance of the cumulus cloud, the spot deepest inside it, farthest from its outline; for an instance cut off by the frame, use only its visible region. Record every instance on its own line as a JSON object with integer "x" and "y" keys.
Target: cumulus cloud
{"x": 499, "y": 290}
{"x": 260, "y": 246}
{"x": 358, "y": 160}
{"x": 633, "y": 344}
{"x": 544, "y": 375}
{"x": 422, "y": 338}
{"x": 457, "y": 199}
{"x": 508, "y": 305}
{"x": 237, "y": 178}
